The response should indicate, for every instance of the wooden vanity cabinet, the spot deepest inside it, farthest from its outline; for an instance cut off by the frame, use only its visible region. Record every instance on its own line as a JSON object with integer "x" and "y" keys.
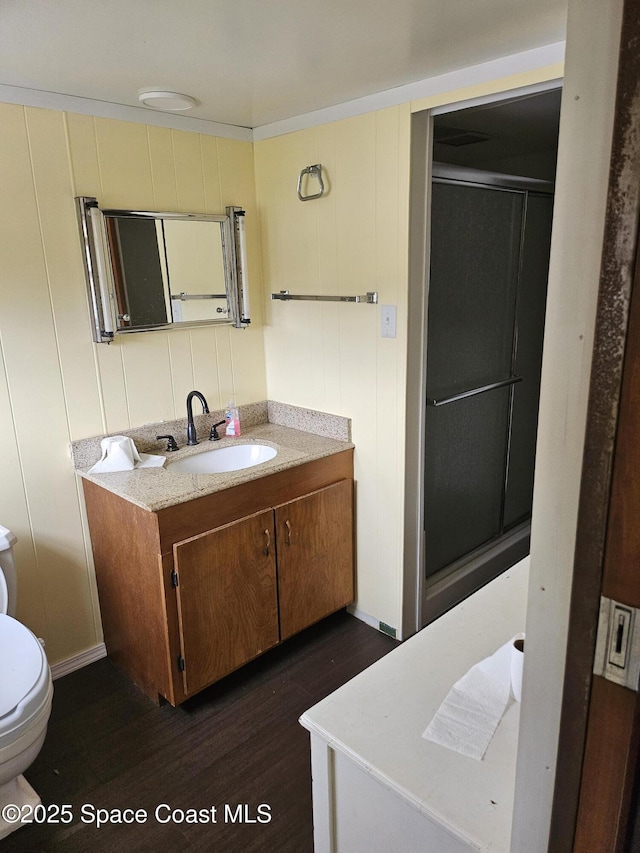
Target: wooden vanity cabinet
{"x": 315, "y": 556}
{"x": 227, "y": 598}
{"x": 194, "y": 591}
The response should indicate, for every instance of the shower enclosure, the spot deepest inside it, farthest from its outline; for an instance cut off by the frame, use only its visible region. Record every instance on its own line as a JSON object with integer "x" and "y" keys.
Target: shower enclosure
{"x": 489, "y": 257}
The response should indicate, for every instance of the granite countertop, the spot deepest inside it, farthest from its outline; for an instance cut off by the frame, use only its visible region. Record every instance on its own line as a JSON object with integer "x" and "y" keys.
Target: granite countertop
{"x": 154, "y": 489}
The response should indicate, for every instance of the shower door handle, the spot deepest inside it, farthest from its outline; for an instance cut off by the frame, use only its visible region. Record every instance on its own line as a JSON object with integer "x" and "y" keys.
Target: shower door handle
{"x": 473, "y": 391}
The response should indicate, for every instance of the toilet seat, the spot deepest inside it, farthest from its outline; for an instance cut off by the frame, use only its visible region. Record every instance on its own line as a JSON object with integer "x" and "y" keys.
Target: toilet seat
{"x": 4, "y": 594}
{"x": 25, "y": 679}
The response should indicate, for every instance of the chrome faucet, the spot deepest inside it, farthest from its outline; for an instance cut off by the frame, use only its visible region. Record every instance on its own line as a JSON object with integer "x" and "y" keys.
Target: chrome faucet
{"x": 192, "y": 438}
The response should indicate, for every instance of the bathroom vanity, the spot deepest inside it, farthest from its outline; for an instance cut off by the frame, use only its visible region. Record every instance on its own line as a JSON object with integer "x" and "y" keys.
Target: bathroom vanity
{"x": 193, "y": 587}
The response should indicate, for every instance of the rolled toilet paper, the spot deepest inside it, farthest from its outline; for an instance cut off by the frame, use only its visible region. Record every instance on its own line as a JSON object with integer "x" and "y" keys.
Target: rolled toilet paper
{"x": 471, "y": 712}
{"x": 517, "y": 660}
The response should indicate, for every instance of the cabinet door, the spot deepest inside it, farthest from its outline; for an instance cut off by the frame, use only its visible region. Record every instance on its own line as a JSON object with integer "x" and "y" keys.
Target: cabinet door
{"x": 315, "y": 556}
{"x": 227, "y": 599}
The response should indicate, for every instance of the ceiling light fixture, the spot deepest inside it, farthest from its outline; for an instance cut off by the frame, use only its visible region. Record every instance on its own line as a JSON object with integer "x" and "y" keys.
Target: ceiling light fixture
{"x": 169, "y": 101}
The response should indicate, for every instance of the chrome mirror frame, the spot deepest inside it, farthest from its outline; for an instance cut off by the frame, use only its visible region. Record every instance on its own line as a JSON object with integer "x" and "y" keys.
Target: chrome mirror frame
{"x": 100, "y": 279}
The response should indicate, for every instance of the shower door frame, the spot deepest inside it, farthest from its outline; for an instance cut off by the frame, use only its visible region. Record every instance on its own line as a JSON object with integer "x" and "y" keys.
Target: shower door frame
{"x": 426, "y": 599}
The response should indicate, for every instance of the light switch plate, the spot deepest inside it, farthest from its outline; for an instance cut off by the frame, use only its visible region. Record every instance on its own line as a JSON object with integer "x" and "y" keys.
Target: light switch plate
{"x": 388, "y": 321}
{"x": 617, "y": 656}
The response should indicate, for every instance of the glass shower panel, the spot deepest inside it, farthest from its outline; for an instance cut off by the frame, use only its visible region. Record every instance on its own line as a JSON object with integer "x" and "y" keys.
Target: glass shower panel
{"x": 464, "y": 475}
{"x": 475, "y": 247}
{"x": 476, "y": 236}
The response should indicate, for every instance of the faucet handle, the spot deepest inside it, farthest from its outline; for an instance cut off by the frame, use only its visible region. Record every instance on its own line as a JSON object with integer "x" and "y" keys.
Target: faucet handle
{"x": 213, "y": 435}
{"x": 171, "y": 442}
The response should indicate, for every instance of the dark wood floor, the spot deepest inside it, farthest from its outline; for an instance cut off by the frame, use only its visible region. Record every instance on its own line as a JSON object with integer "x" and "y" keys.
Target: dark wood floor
{"x": 237, "y": 743}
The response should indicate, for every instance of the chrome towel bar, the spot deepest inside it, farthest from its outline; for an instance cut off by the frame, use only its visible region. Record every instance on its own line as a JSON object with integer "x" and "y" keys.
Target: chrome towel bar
{"x": 371, "y": 298}
{"x": 480, "y": 390}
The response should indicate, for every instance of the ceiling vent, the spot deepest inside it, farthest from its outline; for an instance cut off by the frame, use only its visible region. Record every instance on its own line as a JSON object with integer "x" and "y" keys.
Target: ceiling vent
{"x": 456, "y": 137}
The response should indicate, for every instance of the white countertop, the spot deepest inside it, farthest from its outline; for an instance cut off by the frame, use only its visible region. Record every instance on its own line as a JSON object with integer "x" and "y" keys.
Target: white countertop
{"x": 377, "y": 718}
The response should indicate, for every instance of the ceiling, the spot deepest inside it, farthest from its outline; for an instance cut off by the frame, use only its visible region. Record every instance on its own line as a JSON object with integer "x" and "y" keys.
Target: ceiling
{"x": 254, "y": 62}
{"x": 519, "y": 133}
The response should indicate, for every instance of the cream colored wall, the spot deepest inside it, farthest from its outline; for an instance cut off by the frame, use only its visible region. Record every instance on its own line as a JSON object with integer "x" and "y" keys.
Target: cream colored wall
{"x": 55, "y": 384}
{"x": 330, "y": 356}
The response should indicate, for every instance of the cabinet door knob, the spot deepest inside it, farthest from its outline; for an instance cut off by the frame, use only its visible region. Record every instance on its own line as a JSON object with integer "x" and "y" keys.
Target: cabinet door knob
{"x": 268, "y": 545}
{"x": 287, "y": 524}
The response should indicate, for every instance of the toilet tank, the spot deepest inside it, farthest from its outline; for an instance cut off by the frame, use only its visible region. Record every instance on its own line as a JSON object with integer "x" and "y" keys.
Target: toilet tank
{"x": 8, "y": 576}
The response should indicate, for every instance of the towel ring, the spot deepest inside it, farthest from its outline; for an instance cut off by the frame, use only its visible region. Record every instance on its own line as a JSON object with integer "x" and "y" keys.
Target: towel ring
{"x": 314, "y": 172}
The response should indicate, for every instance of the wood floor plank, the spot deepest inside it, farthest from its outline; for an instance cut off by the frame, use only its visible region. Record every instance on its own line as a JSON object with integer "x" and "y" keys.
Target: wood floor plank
{"x": 237, "y": 744}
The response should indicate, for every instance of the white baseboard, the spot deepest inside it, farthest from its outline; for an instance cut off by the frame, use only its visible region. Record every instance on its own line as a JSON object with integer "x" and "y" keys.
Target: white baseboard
{"x": 64, "y": 667}
{"x": 362, "y": 616}
{"x": 372, "y": 621}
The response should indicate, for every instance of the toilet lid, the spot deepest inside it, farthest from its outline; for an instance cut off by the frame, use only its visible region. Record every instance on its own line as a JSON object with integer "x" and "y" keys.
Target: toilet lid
{"x": 21, "y": 663}
{"x": 7, "y": 538}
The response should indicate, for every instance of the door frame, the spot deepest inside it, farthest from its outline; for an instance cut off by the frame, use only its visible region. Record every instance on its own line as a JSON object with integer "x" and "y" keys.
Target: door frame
{"x": 414, "y": 611}
{"x": 584, "y": 696}
{"x": 592, "y": 61}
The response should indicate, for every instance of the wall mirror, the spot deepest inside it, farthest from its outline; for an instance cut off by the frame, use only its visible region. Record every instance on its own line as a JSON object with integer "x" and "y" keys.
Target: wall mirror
{"x": 147, "y": 271}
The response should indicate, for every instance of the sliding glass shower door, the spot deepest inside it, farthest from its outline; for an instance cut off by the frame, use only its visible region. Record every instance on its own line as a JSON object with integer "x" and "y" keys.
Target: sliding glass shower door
{"x": 487, "y": 291}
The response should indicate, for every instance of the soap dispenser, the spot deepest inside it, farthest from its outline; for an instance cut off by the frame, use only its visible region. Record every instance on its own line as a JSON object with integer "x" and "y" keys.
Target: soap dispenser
{"x": 232, "y": 420}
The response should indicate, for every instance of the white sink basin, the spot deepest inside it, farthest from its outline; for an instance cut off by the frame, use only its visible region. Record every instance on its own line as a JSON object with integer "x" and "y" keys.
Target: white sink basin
{"x": 220, "y": 460}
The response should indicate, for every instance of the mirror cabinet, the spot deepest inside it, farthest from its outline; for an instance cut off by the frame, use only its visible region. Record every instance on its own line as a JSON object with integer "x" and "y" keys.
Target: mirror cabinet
{"x": 147, "y": 271}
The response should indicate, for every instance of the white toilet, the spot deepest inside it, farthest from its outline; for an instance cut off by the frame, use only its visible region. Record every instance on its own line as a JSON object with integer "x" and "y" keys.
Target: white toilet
{"x": 26, "y": 691}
